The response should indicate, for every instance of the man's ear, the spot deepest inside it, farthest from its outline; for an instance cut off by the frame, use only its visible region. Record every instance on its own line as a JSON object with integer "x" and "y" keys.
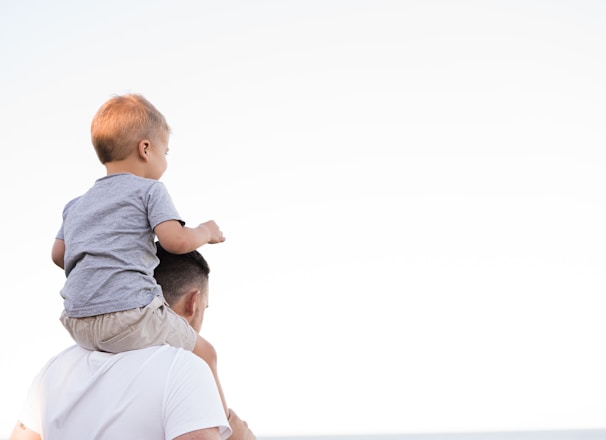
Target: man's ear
{"x": 191, "y": 301}
{"x": 143, "y": 148}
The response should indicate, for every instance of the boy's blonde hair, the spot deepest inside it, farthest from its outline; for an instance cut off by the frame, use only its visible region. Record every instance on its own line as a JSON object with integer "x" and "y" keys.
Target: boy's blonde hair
{"x": 121, "y": 123}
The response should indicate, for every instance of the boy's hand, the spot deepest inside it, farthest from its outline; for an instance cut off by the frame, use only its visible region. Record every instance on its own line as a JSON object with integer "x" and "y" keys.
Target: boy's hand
{"x": 215, "y": 234}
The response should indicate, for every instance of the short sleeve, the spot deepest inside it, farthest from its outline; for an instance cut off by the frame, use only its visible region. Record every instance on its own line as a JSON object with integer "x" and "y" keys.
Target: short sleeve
{"x": 60, "y": 234}
{"x": 160, "y": 207}
{"x": 192, "y": 401}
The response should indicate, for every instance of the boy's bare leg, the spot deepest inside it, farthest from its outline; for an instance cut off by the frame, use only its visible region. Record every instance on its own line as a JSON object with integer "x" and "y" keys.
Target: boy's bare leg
{"x": 207, "y": 352}
{"x": 239, "y": 428}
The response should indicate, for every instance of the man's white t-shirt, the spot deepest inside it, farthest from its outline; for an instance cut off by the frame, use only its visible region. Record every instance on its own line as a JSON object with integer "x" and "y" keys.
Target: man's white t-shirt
{"x": 154, "y": 393}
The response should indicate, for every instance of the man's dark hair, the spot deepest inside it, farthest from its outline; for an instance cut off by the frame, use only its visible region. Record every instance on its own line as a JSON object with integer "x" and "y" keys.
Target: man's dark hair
{"x": 177, "y": 274}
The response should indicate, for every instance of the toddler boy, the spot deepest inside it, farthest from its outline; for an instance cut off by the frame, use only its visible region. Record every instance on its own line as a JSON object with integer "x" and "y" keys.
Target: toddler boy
{"x": 106, "y": 242}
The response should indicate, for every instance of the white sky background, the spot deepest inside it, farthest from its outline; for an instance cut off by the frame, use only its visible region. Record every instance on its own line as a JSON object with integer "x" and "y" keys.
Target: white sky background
{"x": 412, "y": 194}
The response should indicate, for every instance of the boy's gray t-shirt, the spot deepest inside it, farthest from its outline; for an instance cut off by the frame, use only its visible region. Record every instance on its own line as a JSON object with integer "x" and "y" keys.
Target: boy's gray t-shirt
{"x": 110, "y": 252}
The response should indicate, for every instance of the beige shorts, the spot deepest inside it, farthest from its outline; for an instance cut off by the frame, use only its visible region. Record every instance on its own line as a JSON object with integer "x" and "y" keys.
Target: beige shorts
{"x": 154, "y": 324}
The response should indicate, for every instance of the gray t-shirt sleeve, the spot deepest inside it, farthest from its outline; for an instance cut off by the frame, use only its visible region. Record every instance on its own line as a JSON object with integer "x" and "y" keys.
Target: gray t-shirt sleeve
{"x": 60, "y": 233}
{"x": 160, "y": 207}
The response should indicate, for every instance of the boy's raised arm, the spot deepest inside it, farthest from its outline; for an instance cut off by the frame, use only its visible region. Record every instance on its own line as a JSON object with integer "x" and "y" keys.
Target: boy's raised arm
{"x": 179, "y": 239}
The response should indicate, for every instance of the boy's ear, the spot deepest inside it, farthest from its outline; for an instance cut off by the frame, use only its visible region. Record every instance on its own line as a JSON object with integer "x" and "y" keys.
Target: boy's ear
{"x": 142, "y": 149}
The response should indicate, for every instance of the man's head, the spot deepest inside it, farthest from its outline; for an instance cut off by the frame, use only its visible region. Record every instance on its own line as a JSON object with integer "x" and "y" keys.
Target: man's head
{"x": 122, "y": 123}
{"x": 184, "y": 282}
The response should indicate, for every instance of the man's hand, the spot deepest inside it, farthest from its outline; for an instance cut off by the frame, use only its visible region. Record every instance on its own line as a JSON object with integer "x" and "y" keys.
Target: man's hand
{"x": 239, "y": 427}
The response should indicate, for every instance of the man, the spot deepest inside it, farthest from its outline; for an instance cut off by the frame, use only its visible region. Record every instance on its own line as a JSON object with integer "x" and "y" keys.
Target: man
{"x": 155, "y": 393}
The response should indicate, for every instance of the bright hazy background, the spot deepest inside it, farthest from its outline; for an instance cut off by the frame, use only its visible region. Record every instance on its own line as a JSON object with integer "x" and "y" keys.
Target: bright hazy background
{"x": 413, "y": 194}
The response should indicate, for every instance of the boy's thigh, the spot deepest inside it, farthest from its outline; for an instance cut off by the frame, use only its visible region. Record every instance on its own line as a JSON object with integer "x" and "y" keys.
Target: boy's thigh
{"x": 154, "y": 324}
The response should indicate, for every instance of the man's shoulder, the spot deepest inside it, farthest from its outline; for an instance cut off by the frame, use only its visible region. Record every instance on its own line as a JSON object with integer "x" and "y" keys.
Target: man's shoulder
{"x": 167, "y": 362}
{"x": 76, "y": 353}
{"x": 71, "y": 352}
{"x": 182, "y": 358}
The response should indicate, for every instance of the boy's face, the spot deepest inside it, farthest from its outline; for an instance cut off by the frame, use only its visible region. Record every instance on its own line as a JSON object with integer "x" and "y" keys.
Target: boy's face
{"x": 157, "y": 151}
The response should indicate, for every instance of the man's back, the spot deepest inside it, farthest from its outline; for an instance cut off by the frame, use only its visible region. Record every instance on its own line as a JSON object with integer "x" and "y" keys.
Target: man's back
{"x": 154, "y": 393}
